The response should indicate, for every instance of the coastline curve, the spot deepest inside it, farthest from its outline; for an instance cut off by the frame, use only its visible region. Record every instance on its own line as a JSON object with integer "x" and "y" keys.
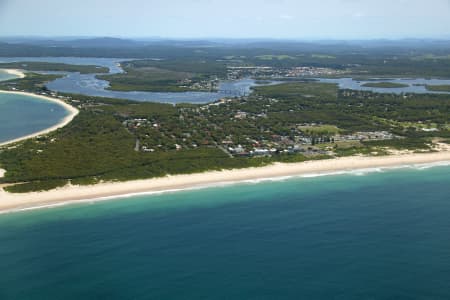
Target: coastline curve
{"x": 16, "y": 72}
{"x": 73, "y": 112}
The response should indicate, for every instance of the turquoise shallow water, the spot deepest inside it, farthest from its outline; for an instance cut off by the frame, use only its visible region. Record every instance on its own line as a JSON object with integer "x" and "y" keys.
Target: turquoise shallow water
{"x": 6, "y": 76}
{"x": 23, "y": 115}
{"x": 374, "y": 236}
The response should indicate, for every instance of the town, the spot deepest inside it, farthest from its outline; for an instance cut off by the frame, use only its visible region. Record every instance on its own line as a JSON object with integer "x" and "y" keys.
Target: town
{"x": 241, "y": 133}
{"x": 277, "y": 73}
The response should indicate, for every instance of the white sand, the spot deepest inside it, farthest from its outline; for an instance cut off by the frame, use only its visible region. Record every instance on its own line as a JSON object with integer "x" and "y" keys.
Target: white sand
{"x": 17, "y": 73}
{"x": 72, "y": 113}
{"x": 14, "y": 202}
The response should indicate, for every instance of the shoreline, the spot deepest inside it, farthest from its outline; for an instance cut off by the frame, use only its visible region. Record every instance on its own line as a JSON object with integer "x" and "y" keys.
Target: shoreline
{"x": 73, "y": 112}
{"x": 278, "y": 171}
{"x": 15, "y": 72}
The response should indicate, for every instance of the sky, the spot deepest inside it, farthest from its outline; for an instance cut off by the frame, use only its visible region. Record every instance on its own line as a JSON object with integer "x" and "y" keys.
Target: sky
{"x": 278, "y": 19}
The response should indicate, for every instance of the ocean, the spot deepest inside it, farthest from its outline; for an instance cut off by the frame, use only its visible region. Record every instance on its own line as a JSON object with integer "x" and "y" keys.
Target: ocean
{"x": 6, "y": 76}
{"x": 362, "y": 235}
{"x": 21, "y": 115}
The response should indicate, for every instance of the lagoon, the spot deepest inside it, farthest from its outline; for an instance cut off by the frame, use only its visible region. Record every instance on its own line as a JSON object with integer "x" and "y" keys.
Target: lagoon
{"x": 22, "y": 115}
{"x": 88, "y": 84}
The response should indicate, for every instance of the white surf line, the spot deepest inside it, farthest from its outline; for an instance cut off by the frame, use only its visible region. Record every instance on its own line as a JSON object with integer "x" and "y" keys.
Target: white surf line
{"x": 354, "y": 172}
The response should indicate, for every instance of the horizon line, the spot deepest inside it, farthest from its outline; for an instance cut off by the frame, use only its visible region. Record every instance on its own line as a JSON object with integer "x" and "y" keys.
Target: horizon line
{"x": 219, "y": 38}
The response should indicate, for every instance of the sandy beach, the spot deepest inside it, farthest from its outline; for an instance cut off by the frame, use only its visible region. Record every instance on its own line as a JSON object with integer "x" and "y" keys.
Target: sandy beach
{"x": 15, "y": 72}
{"x": 72, "y": 113}
{"x": 14, "y": 202}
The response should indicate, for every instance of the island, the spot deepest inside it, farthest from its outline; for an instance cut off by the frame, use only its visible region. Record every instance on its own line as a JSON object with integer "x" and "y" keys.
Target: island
{"x": 179, "y": 75}
{"x": 385, "y": 85}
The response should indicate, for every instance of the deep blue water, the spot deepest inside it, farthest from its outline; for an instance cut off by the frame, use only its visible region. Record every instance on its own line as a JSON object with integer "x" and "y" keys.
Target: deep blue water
{"x": 23, "y": 115}
{"x": 378, "y": 236}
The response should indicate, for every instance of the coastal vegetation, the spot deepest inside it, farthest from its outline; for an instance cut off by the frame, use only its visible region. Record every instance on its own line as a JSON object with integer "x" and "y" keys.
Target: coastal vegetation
{"x": 94, "y": 147}
{"x": 33, "y": 82}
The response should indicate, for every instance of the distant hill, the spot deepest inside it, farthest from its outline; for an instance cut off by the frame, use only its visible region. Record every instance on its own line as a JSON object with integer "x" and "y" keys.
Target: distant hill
{"x": 106, "y": 42}
{"x": 101, "y": 42}
{"x": 113, "y": 42}
{"x": 219, "y": 48}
